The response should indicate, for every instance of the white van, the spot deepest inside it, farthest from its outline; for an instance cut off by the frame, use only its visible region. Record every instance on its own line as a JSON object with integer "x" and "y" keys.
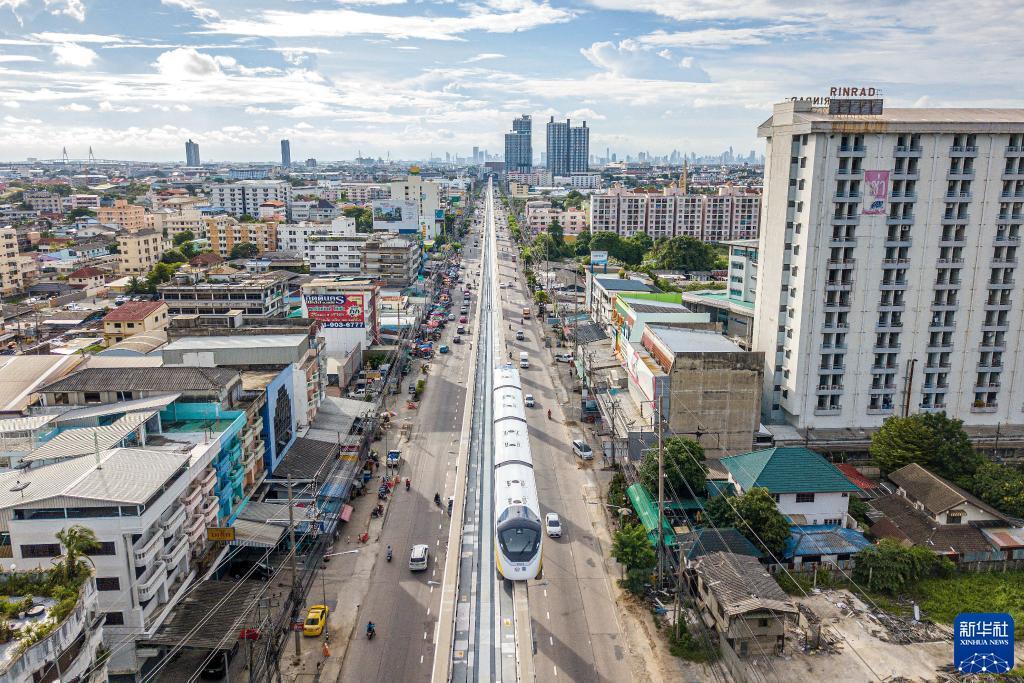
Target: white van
{"x": 524, "y": 359}
{"x": 419, "y": 557}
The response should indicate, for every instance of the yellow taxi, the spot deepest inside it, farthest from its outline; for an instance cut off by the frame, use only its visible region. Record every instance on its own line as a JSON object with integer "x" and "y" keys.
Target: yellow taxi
{"x": 316, "y": 620}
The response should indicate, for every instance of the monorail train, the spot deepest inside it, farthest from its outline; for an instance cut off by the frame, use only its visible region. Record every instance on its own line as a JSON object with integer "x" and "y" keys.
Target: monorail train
{"x": 517, "y": 525}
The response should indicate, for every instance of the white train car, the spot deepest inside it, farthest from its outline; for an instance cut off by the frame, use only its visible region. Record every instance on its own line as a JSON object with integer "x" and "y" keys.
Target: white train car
{"x": 518, "y": 530}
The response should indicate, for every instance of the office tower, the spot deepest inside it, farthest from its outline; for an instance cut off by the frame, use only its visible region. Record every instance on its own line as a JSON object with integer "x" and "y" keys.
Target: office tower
{"x": 888, "y": 253}
{"x": 519, "y": 146}
{"x": 286, "y": 153}
{"x": 568, "y": 148}
{"x": 191, "y": 153}
{"x": 476, "y": 155}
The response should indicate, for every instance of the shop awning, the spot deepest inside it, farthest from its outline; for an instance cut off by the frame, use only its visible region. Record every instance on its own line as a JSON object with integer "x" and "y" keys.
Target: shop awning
{"x": 346, "y": 513}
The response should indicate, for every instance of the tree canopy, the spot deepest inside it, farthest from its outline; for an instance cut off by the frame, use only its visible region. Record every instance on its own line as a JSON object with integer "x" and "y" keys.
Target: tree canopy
{"x": 244, "y": 250}
{"x": 931, "y": 440}
{"x": 889, "y": 567}
{"x": 77, "y": 541}
{"x": 685, "y": 471}
{"x": 682, "y": 253}
{"x": 755, "y": 515}
{"x": 632, "y": 549}
{"x": 1001, "y": 486}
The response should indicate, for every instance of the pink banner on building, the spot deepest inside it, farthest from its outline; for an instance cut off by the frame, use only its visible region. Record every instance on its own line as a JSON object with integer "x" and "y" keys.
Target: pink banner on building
{"x": 876, "y": 191}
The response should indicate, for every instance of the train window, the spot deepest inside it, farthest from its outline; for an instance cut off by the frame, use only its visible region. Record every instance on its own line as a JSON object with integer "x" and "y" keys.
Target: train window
{"x": 519, "y": 544}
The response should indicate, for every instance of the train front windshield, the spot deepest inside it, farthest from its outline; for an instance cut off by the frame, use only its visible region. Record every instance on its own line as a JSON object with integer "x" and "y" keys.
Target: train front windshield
{"x": 520, "y": 543}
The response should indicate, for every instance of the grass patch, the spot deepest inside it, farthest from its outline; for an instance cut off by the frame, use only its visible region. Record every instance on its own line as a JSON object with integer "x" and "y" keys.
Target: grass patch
{"x": 690, "y": 648}
{"x": 943, "y": 599}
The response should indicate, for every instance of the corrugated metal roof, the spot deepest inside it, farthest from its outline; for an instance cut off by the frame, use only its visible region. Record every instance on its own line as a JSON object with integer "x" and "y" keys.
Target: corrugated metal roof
{"x": 822, "y": 539}
{"x": 86, "y": 440}
{"x": 134, "y": 310}
{"x": 145, "y": 379}
{"x": 241, "y": 341}
{"x": 307, "y": 458}
{"x": 257, "y": 534}
{"x": 24, "y": 424}
{"x": 150, "y": 403}
{"x": 741, "y": 584}
{"x": 21, "y": 376}
{"x": 787, "y": 470}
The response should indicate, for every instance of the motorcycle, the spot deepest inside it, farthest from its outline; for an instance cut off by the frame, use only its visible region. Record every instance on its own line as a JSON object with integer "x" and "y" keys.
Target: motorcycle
{"x": 437, "y": 499}
{"x": 389, "y": 553}
{"x": 407, "y": 484}
{"x": 370, "y": 631}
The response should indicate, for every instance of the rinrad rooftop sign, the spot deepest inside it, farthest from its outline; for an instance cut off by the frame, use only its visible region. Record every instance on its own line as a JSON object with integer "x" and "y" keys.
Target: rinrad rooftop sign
{"x": 840, "y": 92}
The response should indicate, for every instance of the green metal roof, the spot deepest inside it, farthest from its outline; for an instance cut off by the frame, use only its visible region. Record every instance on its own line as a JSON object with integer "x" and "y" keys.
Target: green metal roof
{"x": 647, "y": 509}
{"x": 662, "y": 297}
{"x": 787, "y": 470}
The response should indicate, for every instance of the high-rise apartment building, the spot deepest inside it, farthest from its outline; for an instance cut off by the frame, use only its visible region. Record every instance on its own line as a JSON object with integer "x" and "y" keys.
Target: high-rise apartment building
{"x": 519, "y": 146}
{"x": 732, "y": 214}
{"x": 887, "y": 266}
{"x": 245, "y": 197}
{"x": 286, "y": 153}
{"x": 10, "y": 271}
{"x": 191, "y": 153}
{"x": 139, "y": 251}
{"x": 225, "y": 233}
{"x": 131, "y": 217}
{"x": 568, "y": 148}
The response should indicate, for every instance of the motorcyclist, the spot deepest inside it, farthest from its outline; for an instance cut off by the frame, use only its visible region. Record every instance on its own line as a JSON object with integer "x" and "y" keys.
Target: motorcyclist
{"x": 407, "y": 483}
{"x": 549, "y": 413}
{"x": 437, "y": 499}
{"x": 370, "y": 628}
{"x": 389, "y": 553}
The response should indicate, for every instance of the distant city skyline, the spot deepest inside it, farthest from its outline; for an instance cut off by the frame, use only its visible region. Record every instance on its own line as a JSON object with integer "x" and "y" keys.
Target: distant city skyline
{"x": 134, "y": 80}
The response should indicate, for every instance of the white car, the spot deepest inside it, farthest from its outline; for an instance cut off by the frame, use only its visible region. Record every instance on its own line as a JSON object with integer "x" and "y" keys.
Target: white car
{"x": 553, "y": 525}
{"x": 582, "y": 449}
{"x": 529, "y": 401}
{"x": 564, "y": 358}
{"x": 419, "y": 557}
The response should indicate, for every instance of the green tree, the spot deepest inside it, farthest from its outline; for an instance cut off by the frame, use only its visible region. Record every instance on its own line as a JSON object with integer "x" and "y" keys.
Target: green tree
{"x": 173, "y": 256}
{"x": 113, "y": 248}
{"x": 632, "y": 549}
{"x": 363, "y": 216}
{"x": 135, "y": 285}
{"x": 557, "y": 233}
{"x": 604, "y": 241}
{"x": 574, "y": 200}
{"x": 75, "y": 214}
{"x": 244, "y": 250}
{"x": 183, "y": 237}
{"x": 161, "y": 273}
{"x": 541, "y": 297}
{"x": 248, "y": 218}
{"x": 1001, "y": 486}
{"x": 684, "y": 467}
{"x": 682, "y": 253}
{"x": 932, "y": 440}
{"x": 582, "y": 243}
{"x": 755, "y": 515}
{"x": 889, "y": 567}
{"x": 77, "y": 541}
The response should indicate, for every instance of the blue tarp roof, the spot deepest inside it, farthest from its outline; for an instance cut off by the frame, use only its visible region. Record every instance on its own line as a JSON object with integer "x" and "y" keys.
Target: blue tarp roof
{"x": 823, "y": 539}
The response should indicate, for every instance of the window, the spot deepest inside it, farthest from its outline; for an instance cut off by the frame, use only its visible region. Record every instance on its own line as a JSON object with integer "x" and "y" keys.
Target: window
{"x": 955, "y": 517}
{"x": 106, "y": 548}
{"x": 805, "y": 497}
{"x": 763, "y": 623}
{"x": 92, "y": 397}
{"x": 40, "y": 550}
{"x": 108, "y": 583}
{"x": 114, "y": 618}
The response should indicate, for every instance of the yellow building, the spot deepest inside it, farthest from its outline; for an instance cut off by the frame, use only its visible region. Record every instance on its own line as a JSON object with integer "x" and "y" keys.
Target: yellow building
{"x": 225, "y": 232}
{"x": 139, "y": 251}
{"x": 134, "y": 317}
{"x": 128, "y": 216}
{"x": 10, "y": 269}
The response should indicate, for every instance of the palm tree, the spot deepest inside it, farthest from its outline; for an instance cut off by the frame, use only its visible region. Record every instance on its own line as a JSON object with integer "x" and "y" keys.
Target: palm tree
{"x": 135, "y": 285}
{"x": 77, "y": 541}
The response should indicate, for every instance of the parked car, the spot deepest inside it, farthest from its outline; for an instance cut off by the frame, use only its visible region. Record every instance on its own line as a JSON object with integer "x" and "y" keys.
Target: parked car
{"x": 463, "y": 319}
{"x": 456, "y": 339}
{"x": 582, "y": 449}
{"x": 443, "y": 349}
{"x": 564, "y": 358}
{"x": 553, "y": 525}
{"x": 529, "y": 401}
{"x": 461, "y": 329}
{"x": 419, "y": 557}
{"x": 520, "y": 336}
{"x": 316, "y": 619}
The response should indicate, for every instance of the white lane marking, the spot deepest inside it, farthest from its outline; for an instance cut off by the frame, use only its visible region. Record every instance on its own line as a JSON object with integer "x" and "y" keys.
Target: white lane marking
{"x": 551, "y": 639}
{"x": 547, "y": 615}
{"x": 545, "y": 592}
{"x": 424, "y": 635}
{"x": 556, "y": 670}
{"x": 428, "y": 611}
{"x": 431, "y": 589}
{"x": 421, "y": 659}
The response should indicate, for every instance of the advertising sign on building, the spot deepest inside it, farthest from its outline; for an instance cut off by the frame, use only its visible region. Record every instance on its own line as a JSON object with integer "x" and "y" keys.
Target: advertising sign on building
{"x": 599, "y": 258}
{"x": 876, "y": 184}
{"x": 396, "y": 215}
{"x": 336, "y": 310}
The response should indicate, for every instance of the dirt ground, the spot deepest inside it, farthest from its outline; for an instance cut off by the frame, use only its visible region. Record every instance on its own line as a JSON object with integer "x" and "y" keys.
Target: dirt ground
{"x": 862, "y": 656}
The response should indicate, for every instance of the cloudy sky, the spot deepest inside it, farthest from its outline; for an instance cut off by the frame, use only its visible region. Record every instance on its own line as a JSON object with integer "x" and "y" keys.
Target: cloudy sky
{"x": 135, "y": 78}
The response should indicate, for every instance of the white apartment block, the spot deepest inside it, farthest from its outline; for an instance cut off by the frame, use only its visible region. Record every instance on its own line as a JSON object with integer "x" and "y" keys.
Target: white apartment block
{"x": 580, "y": 181}
{"x": 245, "y": 197}
{"x": 11, "y": 269}
{"x": 731, "y": 214}
{"x": 43, "y": 200}
{"x": 358, "y": 193}
{"x": 534, "y": 178}
{"x": 328, "y": 249}
{"x": 82, "y": 201}
{"x": 887, "y": 266}
{"x": 427, "y": 193}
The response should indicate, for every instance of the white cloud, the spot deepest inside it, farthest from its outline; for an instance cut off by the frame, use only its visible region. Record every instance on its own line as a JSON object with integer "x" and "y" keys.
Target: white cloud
{"x": 484, "y": 56}
{"x": 585, "y": 114}
{"x": 197, "y": 8}
{"x": 12, "y": 104}
{"x": 18, "y": 58}
{"x": 187, "y": 62}
{"x": 50, "y": 37}
{"x": 72, "y": 54}
{"x": 106, "y": 106}
{"x": 630, "y": 59}
{"x": 71, "y": 8}
{"x": 298, "y": 56}
{"x": 722, "y": 38}
{"x": 75, "y": 106}
{"x": 492, "y": 16}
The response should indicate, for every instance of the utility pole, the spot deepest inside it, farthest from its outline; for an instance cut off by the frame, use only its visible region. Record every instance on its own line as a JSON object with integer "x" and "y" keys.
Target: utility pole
{"x": 661, "y": 496}
{"x": 295, "y": 571}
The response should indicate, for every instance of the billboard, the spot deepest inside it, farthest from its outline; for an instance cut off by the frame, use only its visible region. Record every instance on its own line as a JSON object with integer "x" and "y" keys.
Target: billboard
{"x": 599, "y": 258}
{"x": 396, "y": 215}
{"x": 336, "y": 310}
{"x": 876, "y": 184}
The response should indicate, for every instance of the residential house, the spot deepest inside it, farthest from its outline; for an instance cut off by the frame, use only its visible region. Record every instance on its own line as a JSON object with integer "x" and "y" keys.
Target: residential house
{"x": 807, "y": 488}
{"x": 813, "y": 546}
{"x": 87, "y": 278}
{"x": 132, "y": 318}
{"x": 737, "y": 595}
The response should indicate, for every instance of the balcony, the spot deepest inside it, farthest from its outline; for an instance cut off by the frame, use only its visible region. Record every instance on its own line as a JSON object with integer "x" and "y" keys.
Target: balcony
{"x": 1007, "y": 240}
{"x": 984, "y": 407}
{"x": 192, "y": 498}
{"x": 1010, "y": 217}
{"x": 1012, "y": 195}
{"x": 1013, "y": 175}
{"x": 892, "y": 285}
{"x": 992, "y": 345}
{"x": 889, "y": 325}
{"x": 841, "y": 262}
{"x": 209, "y": 506}
{"x": 151, "y": 582}
{"x": 895, "y": 262}
{"x": 827, "y": 410}
{"x": 931, "y": 407}
{"x": 834, "y": 326}
{"x": 906, "y": 151}
{"x": 1014, "y": 150}
{"x": 930, "y": 387}
{"x": 174, "y": 523}
{"x": 962, "y": 219}
{"x": 176, "y": 554}
{"x": 845, "y": 220}
{"x": 1005, "y": 283}
{"x": 850, "y": 172}
{"x": 963, "y": 151}
{"x": 852, "y": 150}
{"x": 148, "y": 551}
{"x": 839, "y": 286}
{"x": 961, "y": 174}
{"x": 833, "y": 347}
{"x": 958, "y": 196}
{"x": 897, "y": 242}
{"x": 899, "y": 220}
{"x": 886, "y": 348}
{"x": 990, "y": 367}
{"x": 939, "y": 347}
{"x": 947, "y": 284}
{"x": 208, "y": 479}
{"x": 987, "y": 386}
{"x": 1004, "y": 262}
{"x": 842, "y": 241}
{"x": 909, "y": 174}
{"x": 211, "y": 515}
{"x": 906, "y": 194}
{"x": 830, "y": 388}
{"x": 196, "y": 529}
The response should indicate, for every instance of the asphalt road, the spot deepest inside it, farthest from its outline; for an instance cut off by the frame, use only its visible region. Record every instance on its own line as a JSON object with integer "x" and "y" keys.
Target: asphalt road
{"x": 404, "y": 605}
{"x": 575, "y": 621}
